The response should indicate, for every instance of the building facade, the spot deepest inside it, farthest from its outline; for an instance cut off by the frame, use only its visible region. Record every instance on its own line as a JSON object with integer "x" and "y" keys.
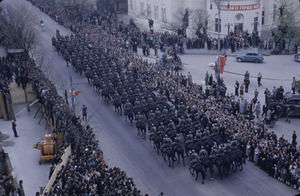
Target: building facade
{"x": 235, "y": 15}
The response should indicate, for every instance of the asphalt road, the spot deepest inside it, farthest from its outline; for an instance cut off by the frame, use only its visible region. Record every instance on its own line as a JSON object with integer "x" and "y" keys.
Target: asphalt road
{"x": 123, "y": 148}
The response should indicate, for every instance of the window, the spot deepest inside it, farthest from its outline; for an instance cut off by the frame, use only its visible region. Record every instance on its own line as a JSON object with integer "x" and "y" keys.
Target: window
{"x": 149, "y": 10}
{"x": 255, "y": 23}
{"x": 164, "y": 15}
{"x": 156, "y": 12}
{"x": 218, "y": 25}
{"x": 263, "y": 16}
{"x": 131, "y": 5}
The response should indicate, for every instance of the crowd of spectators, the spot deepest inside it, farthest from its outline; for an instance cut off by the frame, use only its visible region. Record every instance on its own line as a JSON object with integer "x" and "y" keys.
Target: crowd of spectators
{"x": 278, "y": 157}
{"x": 86, "y": 172}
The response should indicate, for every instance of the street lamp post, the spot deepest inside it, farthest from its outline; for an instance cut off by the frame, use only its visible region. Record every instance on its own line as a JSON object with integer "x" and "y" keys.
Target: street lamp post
{"x": 219, "y": 3}
{"x": 228, "y": 25}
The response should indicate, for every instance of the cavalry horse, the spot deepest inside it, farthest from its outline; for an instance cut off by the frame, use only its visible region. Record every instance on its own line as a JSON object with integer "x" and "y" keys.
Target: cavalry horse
{"x": 198, "y": 168}
{"x": 179, "y": 150}
{"x": 118, "y": 105}
{"x": 157, "y": 140}
{"x": 105, "y": 96}
{"x": 170, "y": 154}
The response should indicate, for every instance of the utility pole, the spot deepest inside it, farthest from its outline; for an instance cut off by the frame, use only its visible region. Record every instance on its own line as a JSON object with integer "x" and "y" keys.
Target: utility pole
{"x": 219, "y": 4}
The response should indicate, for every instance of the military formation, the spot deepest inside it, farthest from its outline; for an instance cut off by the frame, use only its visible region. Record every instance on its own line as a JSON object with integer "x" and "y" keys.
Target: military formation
{"x": 174, "y": 129}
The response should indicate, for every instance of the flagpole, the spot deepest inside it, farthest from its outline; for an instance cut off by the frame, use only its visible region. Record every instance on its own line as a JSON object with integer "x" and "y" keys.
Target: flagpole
{"x": 72, "y": 95}
{"x": 218, "y": 76}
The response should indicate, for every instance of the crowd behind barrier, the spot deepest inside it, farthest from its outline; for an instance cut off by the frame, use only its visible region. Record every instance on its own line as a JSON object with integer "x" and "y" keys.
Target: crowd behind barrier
{"x": 85, "y": 147}
{"x": 197, "y": 110}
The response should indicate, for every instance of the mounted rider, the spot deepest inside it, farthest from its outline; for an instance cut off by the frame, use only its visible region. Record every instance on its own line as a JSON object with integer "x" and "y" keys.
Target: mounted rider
{"x": 166, "y": 143}
{"x": 194, "y": 159}
{"x": 153, "y": 131}
{"x": 177, "y": 141}
{"x": 190, "y": 136}
{"x": 128, "y": 107}
{"x": 227, "y": 147}
{"x": 203, "y": 153}
{"x": 206, "y": 134}
{"x": 234, "y": 145}
{"x": 151, "y": 115}
{"x": 198, "y": 134}
{"x": 220, "y": 152}
{"x": 171, "y": 125}
{"x": 213, "y": 153}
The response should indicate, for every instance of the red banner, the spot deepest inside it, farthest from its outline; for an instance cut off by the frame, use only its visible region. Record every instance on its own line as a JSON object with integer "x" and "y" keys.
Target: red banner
{"x": 240, "y": 7}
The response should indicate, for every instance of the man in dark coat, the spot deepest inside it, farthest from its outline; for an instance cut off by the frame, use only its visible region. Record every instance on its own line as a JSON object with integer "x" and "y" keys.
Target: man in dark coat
{"x": 14, "y": 128}
{"x": 21, "y": 189}
{"x": 294, "y": 141}
{"x": 237, "y": 87}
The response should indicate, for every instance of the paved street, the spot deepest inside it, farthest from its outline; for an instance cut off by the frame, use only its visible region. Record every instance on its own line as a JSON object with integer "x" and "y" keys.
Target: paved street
{"x": 122, "y": 146}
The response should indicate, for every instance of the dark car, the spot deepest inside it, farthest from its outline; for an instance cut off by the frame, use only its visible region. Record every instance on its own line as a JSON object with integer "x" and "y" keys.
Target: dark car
{"x": 250, "y": 57}
{"x": 290, "y": 105}
{"x": 297, "y": 57}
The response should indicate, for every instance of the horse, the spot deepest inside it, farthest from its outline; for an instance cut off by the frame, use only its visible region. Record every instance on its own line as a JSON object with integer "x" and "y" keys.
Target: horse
{"x": 234, "y": 160}
{"x": 157, "y": 140}
{"x": 129, "y": 114}
{"x": 179, "y": 150}
{"x": 141, "y": 127}
{"x": 118, "y": 106}
{"x": 226, "y": 165}
{"x": 241, "y": 157}
{"x": 198, "y": 168}
{"x": 105, "y": 95}
{"x": 218, "y": 162}
{"x": 169, "y": 152}
{"x": 208, "y": 164}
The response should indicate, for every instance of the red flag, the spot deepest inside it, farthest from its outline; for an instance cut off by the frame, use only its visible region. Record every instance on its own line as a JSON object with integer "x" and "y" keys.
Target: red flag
{"x": 77, "y": 92}
{"x": 222, "y": 63}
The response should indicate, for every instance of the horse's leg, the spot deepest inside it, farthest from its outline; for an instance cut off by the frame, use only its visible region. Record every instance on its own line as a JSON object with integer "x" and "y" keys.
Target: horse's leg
{"x": 191, "y": 170}
{"x": 197, "y": 175}
{"x": 235, "y": 165}
{"x": 173, "y": 160}
{"x": 157, "y": 148}
{"x": 143, "y": 133}
{"x": 203, "y": 176}
{"x": 211, "y": 172}
{"x": 169, "y": 159}
{"x": 241, "y": 165}
{"x": 183, "y": 160}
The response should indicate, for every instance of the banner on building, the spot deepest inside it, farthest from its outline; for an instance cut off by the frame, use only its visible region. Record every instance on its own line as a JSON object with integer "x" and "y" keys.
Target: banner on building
{"x": 240, "y": 7}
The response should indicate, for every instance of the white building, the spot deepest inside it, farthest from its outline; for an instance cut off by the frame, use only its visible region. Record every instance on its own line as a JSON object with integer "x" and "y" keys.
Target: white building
{"x": 235, "y": 15}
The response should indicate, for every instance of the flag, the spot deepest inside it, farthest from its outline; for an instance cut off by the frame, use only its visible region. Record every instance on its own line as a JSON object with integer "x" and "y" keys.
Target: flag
{"x": 222, "y": 63}
{"x": 77, "y": 92}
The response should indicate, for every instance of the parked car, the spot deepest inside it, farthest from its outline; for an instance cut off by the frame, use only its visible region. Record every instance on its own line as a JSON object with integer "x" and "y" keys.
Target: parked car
{"x": 297, "y": 57}
{"x": 250, "y": 57}
{"x": 290, "y": 105}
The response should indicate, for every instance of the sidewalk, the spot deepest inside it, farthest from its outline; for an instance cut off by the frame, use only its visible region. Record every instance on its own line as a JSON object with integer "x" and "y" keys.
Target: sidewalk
{"x": 23, "y": 157}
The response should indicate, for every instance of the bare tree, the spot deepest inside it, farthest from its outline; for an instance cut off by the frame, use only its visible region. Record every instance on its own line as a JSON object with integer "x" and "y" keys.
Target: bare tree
{"x": 181, "y": 21}
{"x": 200, "y": 21}
{"x": 18, "y": 27}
